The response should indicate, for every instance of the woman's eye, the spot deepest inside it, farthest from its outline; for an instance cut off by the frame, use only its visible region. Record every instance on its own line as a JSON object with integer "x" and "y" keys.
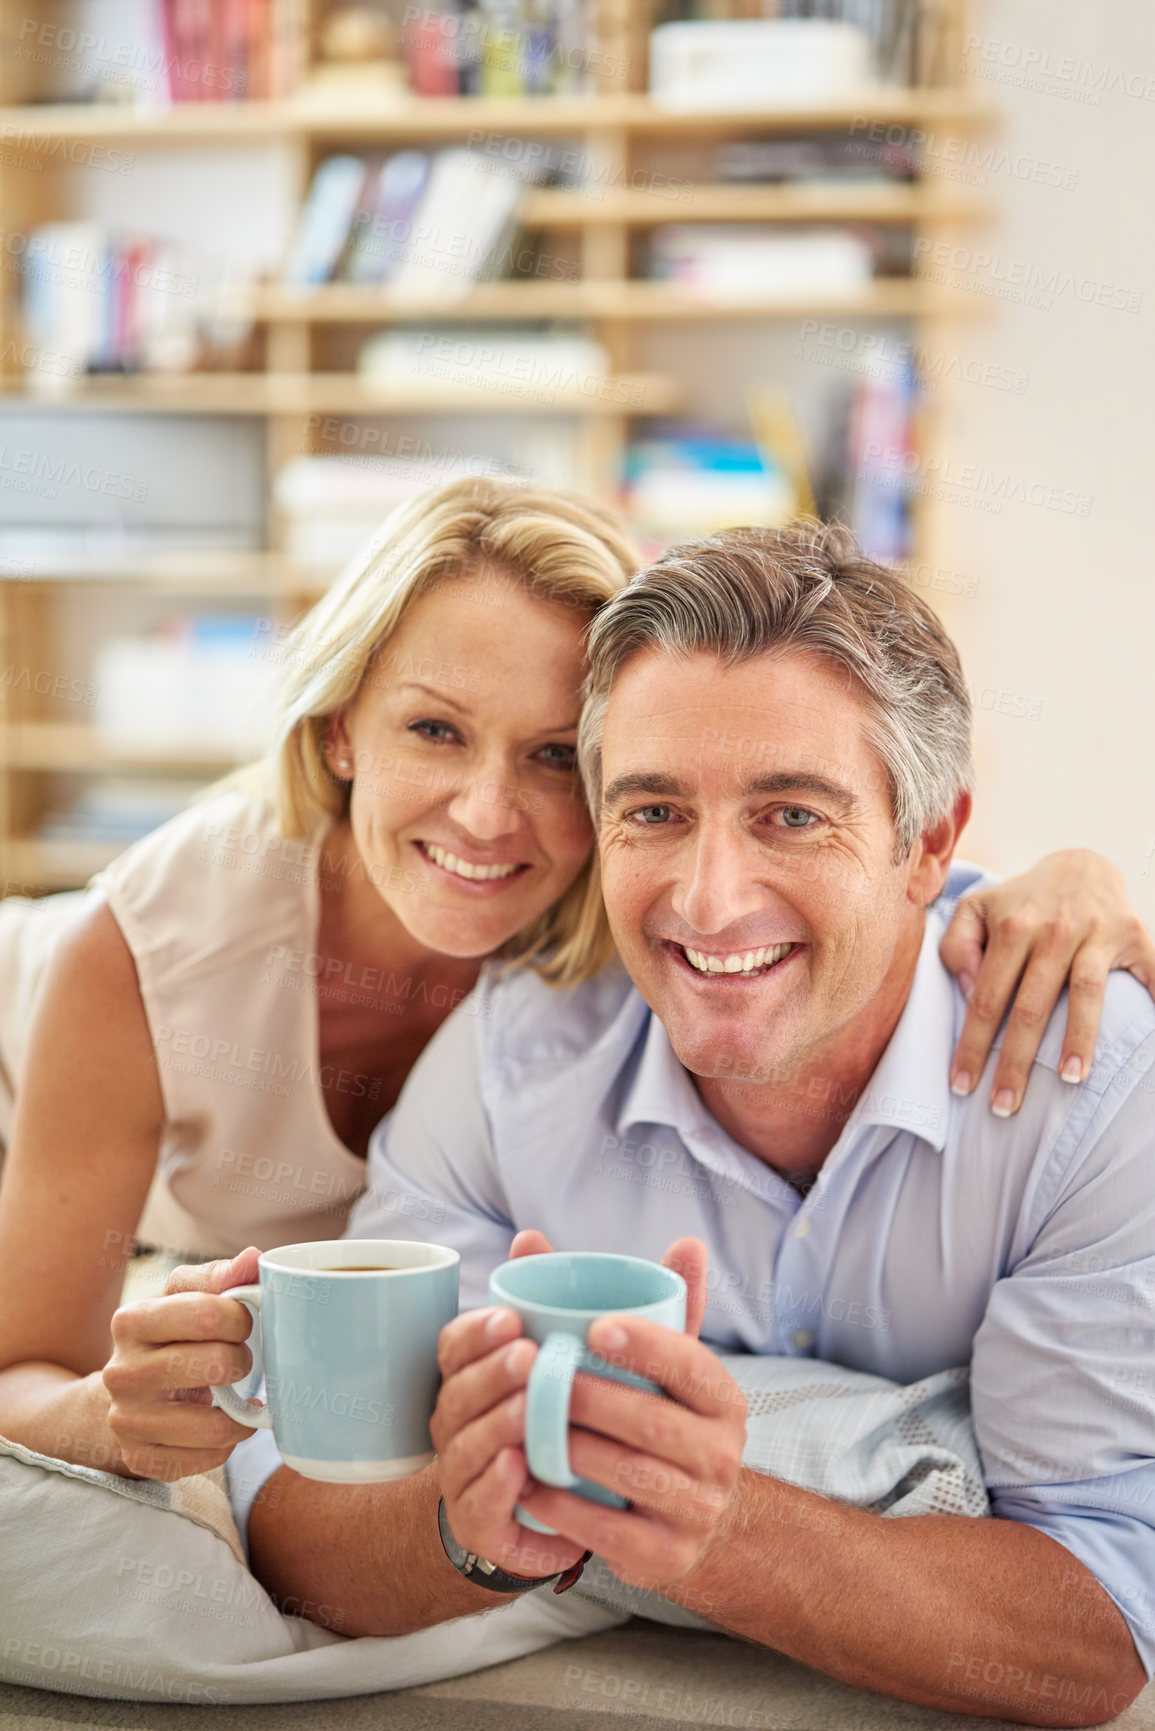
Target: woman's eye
{"x": 797, "y": 817}
{"x": 435, "y": 730}
{"x": 559, "y": 756}
{"x": 653, "y": 814}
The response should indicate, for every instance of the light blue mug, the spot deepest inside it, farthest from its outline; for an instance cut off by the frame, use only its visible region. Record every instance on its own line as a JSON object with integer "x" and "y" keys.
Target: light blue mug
{"x": 347, "y": 1331}
{"x": 557, "y": 1296}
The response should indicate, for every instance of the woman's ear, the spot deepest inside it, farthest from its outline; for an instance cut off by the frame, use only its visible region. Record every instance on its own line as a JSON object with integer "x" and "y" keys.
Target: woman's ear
{"x": 338, "y": 751}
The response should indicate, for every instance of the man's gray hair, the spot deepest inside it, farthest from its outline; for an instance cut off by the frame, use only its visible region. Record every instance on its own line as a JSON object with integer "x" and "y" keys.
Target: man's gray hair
{"x": 809, "y": 587}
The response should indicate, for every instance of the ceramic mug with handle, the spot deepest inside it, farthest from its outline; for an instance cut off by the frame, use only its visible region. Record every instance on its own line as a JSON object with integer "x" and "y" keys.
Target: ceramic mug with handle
{"x": 558, "y": 1296}
{"x": 347, "y": 1330}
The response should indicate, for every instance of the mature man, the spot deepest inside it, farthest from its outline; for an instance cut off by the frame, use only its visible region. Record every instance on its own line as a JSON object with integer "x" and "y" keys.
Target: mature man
{"x": 776, "y": 742}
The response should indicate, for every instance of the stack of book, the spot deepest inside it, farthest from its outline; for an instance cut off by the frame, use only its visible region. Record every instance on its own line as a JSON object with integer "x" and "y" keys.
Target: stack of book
{"x": 221, "y": 50}
{"x": 721, "y": 262}
{"x": 428, "y": 227}
{"x": 501, "y": 48}
{"x": 332, "y": 506}
{"x": 882, "y": 464}
{"x": 690, "y": 481}
{"x": 204, "y": 681}
{"x": 820, "y": 156}
{"x": 155, "y": 52}
{"x": 114, "y": 812}
{"x": 108, "y": 302}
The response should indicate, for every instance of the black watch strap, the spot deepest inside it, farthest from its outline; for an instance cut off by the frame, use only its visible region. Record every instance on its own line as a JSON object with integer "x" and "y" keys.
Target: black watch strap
{"x": 483, "y": 1573}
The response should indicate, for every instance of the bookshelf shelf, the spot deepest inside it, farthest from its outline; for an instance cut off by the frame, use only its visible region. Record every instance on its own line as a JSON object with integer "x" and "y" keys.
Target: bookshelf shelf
{"x": 650, "y": 166}
{"x": 256, "y": 575}
{"x": 61, "y": 746}
{"x": 39, "y": 128}
{"x": 818, "y": 201}
{"x": 340, "y": 303}
{"x": 33, "y": 864}
{"x": 344, "y": 394}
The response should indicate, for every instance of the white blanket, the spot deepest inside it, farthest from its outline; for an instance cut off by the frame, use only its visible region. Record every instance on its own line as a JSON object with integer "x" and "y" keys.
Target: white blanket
{"x": 135, "y": 1590}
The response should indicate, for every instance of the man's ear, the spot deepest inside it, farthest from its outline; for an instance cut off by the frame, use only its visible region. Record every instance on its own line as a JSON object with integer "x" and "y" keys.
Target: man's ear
{"x": 931, "y": 854}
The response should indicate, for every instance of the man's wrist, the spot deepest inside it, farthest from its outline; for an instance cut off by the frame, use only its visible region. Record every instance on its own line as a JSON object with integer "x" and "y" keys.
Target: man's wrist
{"x": 485, "y": 1573}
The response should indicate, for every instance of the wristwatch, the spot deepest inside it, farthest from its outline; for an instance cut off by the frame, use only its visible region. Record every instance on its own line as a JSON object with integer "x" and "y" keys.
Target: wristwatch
{"x": 483, "y": 1573}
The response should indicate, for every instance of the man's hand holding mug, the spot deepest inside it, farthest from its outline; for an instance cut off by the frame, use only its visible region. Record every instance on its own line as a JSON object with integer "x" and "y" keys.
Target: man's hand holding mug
{"x": 672, "y": 1457}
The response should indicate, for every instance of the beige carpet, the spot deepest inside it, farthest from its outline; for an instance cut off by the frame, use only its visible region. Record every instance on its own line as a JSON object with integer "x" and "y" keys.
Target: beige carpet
{"x": 628, "y": 1677}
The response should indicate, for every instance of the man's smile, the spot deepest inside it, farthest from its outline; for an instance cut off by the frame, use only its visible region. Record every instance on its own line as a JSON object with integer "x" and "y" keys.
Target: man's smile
{"x": 731, "y": 965}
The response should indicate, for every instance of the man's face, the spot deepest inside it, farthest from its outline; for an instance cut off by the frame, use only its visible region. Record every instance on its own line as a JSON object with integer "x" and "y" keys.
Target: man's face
{"x": 746, "y": 827}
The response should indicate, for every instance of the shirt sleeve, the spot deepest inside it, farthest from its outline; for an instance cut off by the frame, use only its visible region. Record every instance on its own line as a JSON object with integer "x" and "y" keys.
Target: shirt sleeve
{"x": 433, "y": 1174}
{"x": 1062, "y": 1377}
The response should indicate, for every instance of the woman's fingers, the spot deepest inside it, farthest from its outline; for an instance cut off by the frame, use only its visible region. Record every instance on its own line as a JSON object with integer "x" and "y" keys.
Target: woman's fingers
{"x": 164, "y": 1369}
{"x": 998, "y": 974}
{"x": 1043, "y": 980}
{"x": 963, "y": 945}
{"x": 216, "y": 1277}
{"x": 189, "y": 1316}
{"x": 1090, "y": 972}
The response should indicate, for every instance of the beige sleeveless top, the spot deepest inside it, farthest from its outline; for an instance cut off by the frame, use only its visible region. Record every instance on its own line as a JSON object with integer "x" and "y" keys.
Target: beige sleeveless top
{"x": 221, "y": 914}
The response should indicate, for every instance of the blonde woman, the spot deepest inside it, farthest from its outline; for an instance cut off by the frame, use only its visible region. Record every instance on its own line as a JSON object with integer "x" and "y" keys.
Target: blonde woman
{"x": 236, "y": 1002}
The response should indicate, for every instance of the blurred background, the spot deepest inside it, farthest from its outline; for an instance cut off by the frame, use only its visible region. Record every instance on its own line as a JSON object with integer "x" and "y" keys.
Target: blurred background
{"x": 270, "y": 266}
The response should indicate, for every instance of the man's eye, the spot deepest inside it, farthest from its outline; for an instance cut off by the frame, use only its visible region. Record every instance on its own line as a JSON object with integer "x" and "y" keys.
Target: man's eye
{"x": 435, "y": 730}
{"x": 653, "y": 814}
{"x": 797, "y": 817}
{"x": 559, "y": 756}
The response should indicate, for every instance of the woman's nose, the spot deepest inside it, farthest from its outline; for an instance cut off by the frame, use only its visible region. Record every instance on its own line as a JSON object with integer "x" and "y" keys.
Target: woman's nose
{"x": 486, "y": 807}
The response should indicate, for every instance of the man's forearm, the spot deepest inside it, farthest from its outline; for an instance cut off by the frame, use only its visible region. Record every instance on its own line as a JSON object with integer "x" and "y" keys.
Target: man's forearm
{"x": 359, "y": 1559}
{"x": 975, "y": 1616}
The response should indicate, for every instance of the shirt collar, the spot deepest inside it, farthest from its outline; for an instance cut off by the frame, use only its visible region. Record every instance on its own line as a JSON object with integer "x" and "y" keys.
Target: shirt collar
{"x": 909, "y": 1089}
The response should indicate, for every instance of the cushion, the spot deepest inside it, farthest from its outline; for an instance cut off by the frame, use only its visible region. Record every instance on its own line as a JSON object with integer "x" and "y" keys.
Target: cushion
{"x": 133, "y": 1589}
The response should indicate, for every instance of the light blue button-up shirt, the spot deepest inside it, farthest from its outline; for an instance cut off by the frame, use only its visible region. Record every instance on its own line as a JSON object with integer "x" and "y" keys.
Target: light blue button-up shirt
{"x": 935, "y": 1234}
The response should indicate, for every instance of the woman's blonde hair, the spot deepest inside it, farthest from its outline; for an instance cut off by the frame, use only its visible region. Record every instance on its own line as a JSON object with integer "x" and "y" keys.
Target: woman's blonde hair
{"x": 558, "y": 547}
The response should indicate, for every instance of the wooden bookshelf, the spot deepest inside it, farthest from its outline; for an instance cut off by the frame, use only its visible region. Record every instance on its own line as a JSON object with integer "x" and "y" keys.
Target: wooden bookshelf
{"x": 431, "y": 118}
{"x": 300, "y": 394}
{"x": 40, "y": 144}
{"x": 340, "y": 303}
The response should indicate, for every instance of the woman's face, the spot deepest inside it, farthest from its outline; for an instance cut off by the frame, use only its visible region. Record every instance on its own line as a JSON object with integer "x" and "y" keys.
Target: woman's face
{"x": 467, "y": 809}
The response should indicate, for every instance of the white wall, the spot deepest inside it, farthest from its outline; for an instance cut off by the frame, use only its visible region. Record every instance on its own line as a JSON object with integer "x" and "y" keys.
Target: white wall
{"x": 1064, "y": 611}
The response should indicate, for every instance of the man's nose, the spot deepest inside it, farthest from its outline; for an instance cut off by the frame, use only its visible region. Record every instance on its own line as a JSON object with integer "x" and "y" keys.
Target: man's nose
{"x": 717, "y": 887}
{"x": 485, "y": 804}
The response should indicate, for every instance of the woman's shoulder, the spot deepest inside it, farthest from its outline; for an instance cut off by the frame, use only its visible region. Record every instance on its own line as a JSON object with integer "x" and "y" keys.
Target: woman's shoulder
{"x": 218, "y": 872}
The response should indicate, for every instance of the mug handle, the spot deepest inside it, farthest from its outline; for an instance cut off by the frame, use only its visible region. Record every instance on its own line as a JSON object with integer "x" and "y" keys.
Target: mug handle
{"x": 547, "y": 1400}
{"x": 224, "y": 1394}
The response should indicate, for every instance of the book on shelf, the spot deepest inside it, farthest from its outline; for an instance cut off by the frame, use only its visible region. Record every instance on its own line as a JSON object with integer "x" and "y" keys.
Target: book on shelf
{"x": 501, "y": 48}
{"x": 428, "y": 227}
{"x": 834, "y": 156}
{"x": 199, "y": 683}
{"x": 331, "y": 506}
{"x": 882, "y": 463}
{"x": 519, "y": 362}
{"x": 115, "y": 811}
{"x": 223, "y": 50}
{"x": 100, "y": 301}
{"x": 724, "y": 262}
{"x": 685, "y": 481}
{"x": 704, "y": 54}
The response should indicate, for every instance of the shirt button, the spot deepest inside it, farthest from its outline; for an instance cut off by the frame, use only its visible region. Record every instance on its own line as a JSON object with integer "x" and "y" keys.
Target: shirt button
{"x": 802, "y": 1229}
{"x": 802, "y": 1338}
